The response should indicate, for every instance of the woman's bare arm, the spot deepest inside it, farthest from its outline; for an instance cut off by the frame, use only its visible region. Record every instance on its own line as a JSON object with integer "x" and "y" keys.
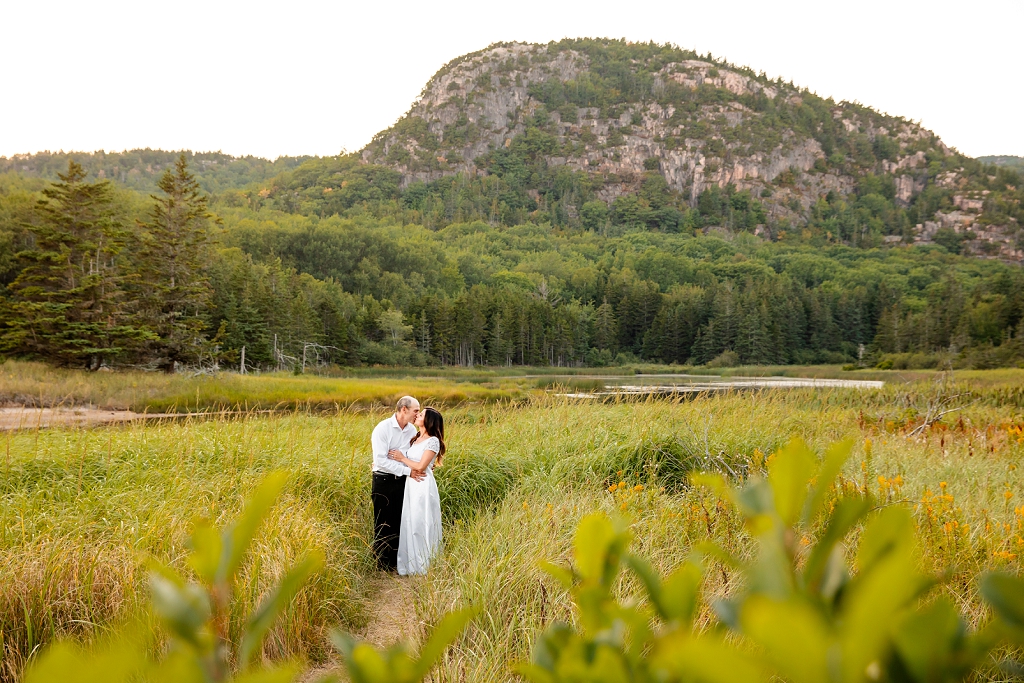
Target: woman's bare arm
{"x": 421, "y": 465}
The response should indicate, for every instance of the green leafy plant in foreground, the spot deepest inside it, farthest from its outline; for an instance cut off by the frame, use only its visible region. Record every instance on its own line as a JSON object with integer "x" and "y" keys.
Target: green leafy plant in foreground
{"x": 396, "y": 664}
{"x": 198, "y": 619}
{"x": 197, "y": 615}
{"x": 804, "y": 613}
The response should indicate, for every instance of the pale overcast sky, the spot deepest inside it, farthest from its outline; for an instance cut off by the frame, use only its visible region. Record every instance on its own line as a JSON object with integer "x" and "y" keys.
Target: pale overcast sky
{"x": 289, "y": 78}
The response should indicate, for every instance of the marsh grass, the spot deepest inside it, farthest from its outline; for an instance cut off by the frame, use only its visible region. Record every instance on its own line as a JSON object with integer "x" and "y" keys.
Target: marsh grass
{"x": 961, "y": 482}
{"x": 82, "y": 509}
{"x": 38, "y": 385}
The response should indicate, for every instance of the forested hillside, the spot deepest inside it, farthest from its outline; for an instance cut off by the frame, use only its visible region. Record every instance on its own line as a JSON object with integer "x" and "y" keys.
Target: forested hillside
{"x": 1004, "y": 160}
{"x": 141, "y": 169}
{"x": 580, "y": 203}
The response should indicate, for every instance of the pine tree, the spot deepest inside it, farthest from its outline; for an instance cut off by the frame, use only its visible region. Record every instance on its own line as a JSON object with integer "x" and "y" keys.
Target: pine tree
{"x": 175, "y": 288}
{"x": 606, "y": 328}
{"x": 68, "y": 304}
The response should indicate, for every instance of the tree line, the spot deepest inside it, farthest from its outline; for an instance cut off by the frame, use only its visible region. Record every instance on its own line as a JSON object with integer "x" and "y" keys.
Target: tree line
{"x": 98, "y": 275}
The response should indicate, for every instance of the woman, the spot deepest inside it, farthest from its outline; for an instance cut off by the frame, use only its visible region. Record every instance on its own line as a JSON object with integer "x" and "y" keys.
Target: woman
{"x": 420, "y": 536}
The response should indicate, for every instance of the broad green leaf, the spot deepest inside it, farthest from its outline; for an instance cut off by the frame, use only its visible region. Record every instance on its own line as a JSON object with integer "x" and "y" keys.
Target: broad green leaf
{"x": 705, "y": 660}
{"x": 847, "y": 514}
{"x": 878, "y": 594}
{"x": 755, "y": 502}
{"x": 343, "y": 642}
{"x": 62, "y": 662}
{"x": 835, "y": 577}
{"x": 180, "y": 666}
{"x": 794, "y": 636}
{"x": 275, "y": 603}
{"x": 444, "y": 634}
{"x": 709, "y": 549}
{"x": 676, "y": 598}
{"x": 651, "y": 581}
{"x": 561, "y": 574}
{"x": 789, "y": 475}
{"x": 534, "y": 673}
{"x": 365, "y": 665}
{"x": 1006, "y": 595}
{"x": 240, "y": 535}
{"x": 835, "y": 457}
{"x": 772, "y": 572}
{"x": 930, "y": 642}
{"x": 715, "y": 482}
{"x": 892, "y": 529}
{"x": 284, "y": 673}
{"x": 600, "y": 543}
{"x": 207, "y": 549}
{"x": 183, "y": 608}
{"x": 728, "y": 611}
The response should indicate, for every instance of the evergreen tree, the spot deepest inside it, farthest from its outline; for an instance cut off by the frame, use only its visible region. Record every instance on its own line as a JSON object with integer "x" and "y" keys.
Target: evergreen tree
{"x": 176, "y": 292}
{"x": 752, "y": 342}
{"x": 606, "y": 328}
{"x": 68, "y": 303}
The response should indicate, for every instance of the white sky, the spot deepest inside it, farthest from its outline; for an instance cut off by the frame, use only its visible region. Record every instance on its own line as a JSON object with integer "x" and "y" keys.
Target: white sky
{"x": 303, "y": 77}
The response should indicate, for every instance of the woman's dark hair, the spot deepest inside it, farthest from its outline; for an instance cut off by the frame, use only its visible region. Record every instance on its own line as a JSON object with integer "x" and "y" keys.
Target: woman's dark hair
{"x": 433, "y": 425}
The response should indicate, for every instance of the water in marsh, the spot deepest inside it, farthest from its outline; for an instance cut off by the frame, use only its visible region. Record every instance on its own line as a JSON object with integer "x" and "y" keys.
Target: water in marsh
{"x": 643, "y": 385}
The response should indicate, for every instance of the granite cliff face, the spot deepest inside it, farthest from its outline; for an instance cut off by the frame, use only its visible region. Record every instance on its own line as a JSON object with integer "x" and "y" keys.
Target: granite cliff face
{"x": 699, "y": 124}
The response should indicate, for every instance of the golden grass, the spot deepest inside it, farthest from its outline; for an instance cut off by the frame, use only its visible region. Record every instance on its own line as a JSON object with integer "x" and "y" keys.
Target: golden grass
{"x": 492, "y": 560}
{"x": 35, "y": 384}
{"x": 82, "y": 510}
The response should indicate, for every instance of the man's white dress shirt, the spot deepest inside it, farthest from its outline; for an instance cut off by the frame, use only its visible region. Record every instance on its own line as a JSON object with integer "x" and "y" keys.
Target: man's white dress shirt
{"x": 387, "y": 436}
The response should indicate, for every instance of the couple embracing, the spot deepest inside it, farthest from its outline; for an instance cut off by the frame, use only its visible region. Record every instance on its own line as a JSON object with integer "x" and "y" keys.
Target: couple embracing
{"x": 406, "y": 506}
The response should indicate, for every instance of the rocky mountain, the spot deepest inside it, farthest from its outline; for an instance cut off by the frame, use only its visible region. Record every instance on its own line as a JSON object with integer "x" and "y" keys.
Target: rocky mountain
{"x": 606, "y": 119}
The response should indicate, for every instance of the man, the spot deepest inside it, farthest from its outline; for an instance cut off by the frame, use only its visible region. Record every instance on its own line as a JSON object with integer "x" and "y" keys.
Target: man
{"x": 388, "y": 490}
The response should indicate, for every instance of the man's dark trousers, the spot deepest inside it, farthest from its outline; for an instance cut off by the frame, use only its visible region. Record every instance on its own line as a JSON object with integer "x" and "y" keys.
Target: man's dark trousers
{"x": 388, "y": 494}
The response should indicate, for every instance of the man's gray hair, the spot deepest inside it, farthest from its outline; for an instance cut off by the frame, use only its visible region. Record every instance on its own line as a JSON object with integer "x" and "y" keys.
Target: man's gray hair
{"x": 406, "y": 402}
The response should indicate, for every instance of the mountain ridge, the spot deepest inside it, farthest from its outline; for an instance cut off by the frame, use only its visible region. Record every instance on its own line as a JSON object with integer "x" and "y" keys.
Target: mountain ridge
{"x": 616, "y": 112}
{"x": 613, "y": 136}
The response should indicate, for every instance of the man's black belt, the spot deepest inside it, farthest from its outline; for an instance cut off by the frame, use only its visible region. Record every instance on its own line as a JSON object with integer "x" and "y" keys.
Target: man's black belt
{"x": 387, "y": 475}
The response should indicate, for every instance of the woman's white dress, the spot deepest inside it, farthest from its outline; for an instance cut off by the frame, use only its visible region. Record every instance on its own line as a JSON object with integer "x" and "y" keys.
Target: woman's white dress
{"x": 420, "y": 536}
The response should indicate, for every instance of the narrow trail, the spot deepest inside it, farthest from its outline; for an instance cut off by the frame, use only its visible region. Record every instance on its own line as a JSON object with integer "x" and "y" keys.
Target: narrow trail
{"x": 391, "y": 608}
{"x": 392, "y": 611}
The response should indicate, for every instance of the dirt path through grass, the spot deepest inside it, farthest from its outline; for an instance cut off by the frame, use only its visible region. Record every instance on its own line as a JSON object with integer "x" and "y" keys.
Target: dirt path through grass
{"x": 392, "y": 612}
{"x": 391, "y": 608}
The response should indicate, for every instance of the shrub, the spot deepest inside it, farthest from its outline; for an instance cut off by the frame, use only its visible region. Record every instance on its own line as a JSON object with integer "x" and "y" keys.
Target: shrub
{"x": 726, "y": 359}
{"x": 802, "y": 613}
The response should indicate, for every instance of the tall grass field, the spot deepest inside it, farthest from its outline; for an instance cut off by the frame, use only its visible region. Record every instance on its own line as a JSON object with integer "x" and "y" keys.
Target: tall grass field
{"x": 83, "y": 512}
